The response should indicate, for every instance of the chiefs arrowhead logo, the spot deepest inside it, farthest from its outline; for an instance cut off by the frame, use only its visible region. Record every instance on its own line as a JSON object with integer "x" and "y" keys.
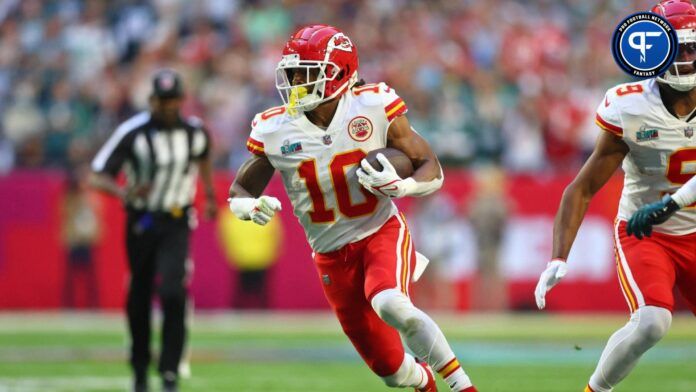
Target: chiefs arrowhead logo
{"x": 340, "y": 42}
{"x": 360, "y": 128}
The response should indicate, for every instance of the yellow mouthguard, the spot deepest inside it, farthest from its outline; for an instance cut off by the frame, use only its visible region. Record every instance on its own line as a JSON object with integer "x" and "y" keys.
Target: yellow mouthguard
{"x": 296, "y": 93}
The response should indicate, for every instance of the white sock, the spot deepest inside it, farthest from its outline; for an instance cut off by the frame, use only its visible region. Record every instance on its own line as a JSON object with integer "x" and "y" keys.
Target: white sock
{"x": 454, "y": 375}
{"x": 410, "y": 374}
{"x": 421, "y": 335}
{"x": 646, "y": 327}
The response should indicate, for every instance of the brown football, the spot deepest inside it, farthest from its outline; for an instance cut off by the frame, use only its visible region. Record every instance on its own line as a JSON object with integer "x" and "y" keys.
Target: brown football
{"x": 402, "y": 164}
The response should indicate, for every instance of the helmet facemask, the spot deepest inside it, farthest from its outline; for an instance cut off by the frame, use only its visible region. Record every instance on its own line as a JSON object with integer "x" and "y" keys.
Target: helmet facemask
{"x": 308, "y": 95}
{"x": 681, "y": 75}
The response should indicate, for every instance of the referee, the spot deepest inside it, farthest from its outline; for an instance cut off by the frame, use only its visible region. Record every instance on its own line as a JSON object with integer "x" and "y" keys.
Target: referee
{"x": 160, "y": 153}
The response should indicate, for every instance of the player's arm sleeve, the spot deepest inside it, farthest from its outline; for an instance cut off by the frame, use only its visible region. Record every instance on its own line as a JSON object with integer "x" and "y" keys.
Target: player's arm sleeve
{"x": 114, "y": 153}
{"x": 394, "y": 105}
{"x": 608, "y": 116}
{"x": 255, "y": 140}
{"x": 686, "y": 195}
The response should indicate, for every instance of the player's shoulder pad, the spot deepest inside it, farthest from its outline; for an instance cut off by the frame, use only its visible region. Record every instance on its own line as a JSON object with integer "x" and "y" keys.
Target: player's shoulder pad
{"x": 625, "y": 95}
{"x": 381, "y": 95}
{"x": 270, "y": 120}
{"x": 373, "y": 94}
{"x": 620, "y": 100}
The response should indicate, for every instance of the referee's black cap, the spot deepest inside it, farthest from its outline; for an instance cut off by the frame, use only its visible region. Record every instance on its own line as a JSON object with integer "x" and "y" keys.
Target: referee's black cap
{"x": 166, "y": 83}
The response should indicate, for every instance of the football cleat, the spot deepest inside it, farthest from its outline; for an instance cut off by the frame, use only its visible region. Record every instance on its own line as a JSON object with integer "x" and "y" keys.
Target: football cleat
{"x": 185, "y": 369}
{"x": 169, "y": 382}
{"x": 430, "y": 386}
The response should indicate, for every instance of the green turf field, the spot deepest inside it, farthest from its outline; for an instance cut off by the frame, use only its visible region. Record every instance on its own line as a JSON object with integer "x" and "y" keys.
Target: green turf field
{"x": 306, "y": 352}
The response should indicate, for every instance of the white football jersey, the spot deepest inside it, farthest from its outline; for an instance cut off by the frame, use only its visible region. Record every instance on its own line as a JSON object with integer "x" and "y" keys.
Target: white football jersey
{"x": 662, "y": 153}
{"x": 318, "y": 166}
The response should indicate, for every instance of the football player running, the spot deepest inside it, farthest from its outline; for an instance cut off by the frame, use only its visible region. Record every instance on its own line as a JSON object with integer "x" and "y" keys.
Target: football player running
{"x": 362, "y": 245}
{"x": 649, "y": 129}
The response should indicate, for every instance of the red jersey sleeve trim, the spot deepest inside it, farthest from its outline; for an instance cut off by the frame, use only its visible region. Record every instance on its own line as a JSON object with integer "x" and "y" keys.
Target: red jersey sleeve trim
{"x": 395, "y": 109}
{"x": 255, "y": 147}
{"x": 618, "y": 131}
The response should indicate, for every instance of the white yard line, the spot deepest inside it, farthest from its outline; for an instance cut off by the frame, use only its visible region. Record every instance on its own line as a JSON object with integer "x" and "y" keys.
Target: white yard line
{"x": 81, "y": 383}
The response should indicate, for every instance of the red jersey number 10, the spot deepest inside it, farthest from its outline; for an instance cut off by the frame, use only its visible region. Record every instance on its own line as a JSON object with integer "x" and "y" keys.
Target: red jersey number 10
{"x": 337, "y": 169}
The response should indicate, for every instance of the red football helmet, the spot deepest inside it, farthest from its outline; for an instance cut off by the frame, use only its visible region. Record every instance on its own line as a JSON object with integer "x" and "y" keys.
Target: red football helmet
{"x": 322, "y": 50}
{"x": 681, "y": 14}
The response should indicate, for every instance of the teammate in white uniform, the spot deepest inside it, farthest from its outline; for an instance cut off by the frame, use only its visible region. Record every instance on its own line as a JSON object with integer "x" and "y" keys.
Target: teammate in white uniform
{"x": 661, "y": 150}
{"x": 363, "y": 250}
{"x": 649, "y": 127}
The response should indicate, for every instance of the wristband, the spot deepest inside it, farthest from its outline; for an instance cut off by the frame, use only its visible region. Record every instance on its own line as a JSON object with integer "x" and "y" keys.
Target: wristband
{"x": 671, "y": 205}
{"x": 415, "y": 188}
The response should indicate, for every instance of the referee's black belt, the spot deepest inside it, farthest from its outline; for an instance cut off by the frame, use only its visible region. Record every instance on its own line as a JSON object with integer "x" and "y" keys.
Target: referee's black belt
{"x": 174, "y": 213}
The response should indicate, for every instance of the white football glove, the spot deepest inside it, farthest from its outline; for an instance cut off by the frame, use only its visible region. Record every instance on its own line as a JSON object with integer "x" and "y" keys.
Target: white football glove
{"x": 555, "y": 270}
{"x": 385, "y": 182}
{"x": 259, "y": 211}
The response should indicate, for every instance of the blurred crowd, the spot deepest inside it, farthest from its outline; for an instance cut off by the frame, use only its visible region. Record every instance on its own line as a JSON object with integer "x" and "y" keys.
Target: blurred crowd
{"x": 510, "y": 82}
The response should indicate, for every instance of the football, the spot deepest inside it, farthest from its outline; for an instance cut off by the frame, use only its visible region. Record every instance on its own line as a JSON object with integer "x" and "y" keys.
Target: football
{"x": 402, "y": 164}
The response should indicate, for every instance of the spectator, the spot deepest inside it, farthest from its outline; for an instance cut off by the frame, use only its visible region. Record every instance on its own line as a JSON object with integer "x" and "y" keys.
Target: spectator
{"x": 486, "y": 82}
{"x": 488, "y": 213}
{"x": 80, "y": 235}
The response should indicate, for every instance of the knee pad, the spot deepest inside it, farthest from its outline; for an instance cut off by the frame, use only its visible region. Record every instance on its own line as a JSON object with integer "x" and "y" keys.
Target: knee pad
{"x": 652, "y": 322}
{"x": 397, "y": 310}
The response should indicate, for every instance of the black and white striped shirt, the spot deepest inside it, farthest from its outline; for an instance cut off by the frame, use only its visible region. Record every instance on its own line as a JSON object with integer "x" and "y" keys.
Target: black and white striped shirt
{"x": 163, "y": 158}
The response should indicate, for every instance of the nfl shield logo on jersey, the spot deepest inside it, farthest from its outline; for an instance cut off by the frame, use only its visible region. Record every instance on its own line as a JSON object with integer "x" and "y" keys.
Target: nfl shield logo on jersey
{"x": 327, "y": 140}
{"x": 688, "y": 132}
